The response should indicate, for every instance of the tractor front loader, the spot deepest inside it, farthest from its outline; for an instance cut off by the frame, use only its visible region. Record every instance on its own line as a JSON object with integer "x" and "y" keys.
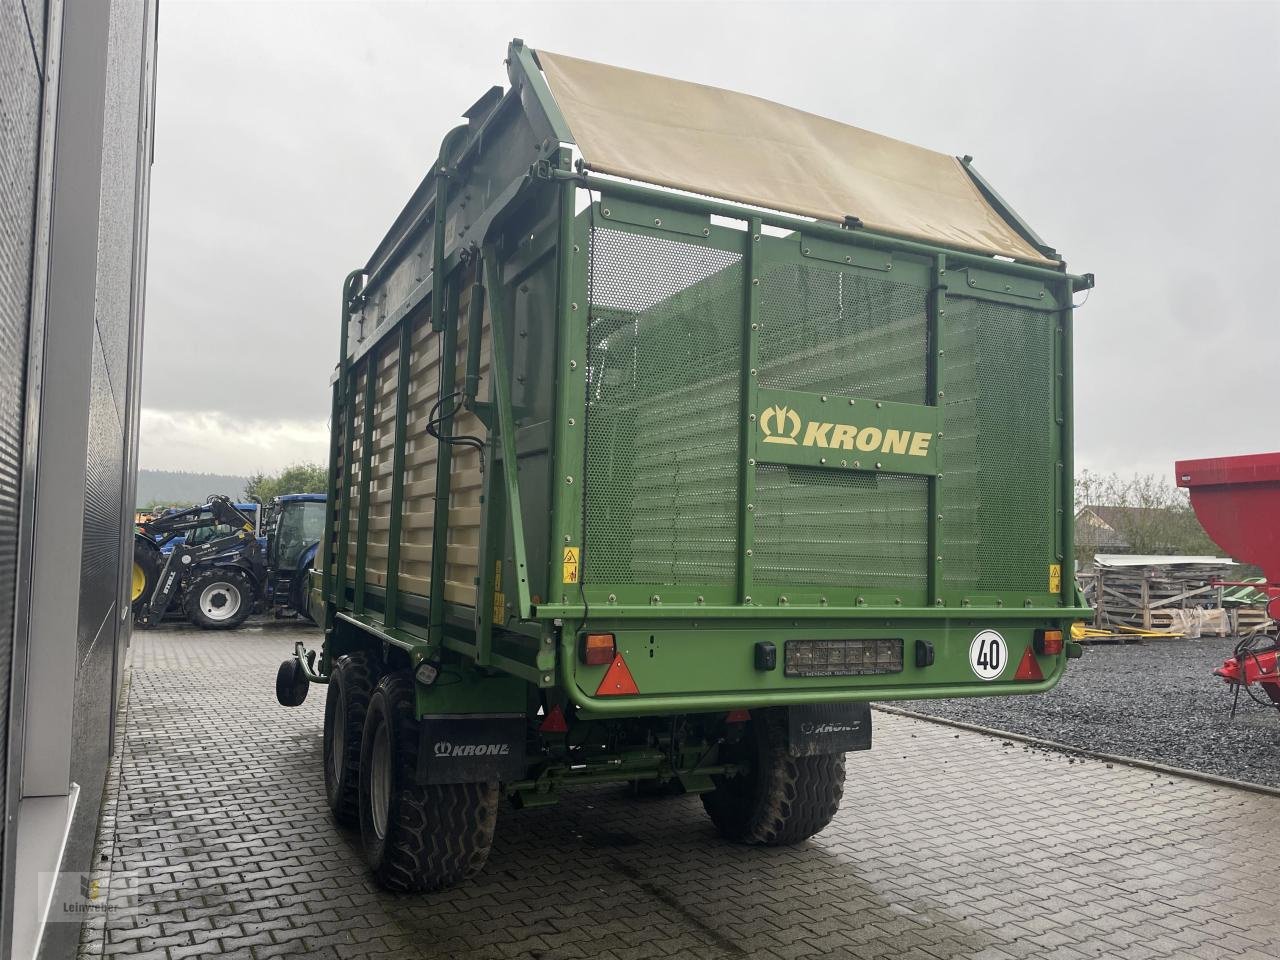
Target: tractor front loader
{"x": 219, "y": 579}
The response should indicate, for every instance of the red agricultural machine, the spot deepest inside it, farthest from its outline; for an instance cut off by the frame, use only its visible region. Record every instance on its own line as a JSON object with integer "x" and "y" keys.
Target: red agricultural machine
{"x": 1237, "y": 500}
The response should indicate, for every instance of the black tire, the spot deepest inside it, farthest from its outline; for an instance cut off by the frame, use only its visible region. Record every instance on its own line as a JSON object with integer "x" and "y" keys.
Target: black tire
{"x": 416, "y": 837}
{"x": 291, "y": 683}
{"x": 351, "y": 683}
{"x": 298, "y": 592}
{"x": 147, "y": 562}
{"x": 218, "y": 598}
{"x": 783, "y": 799}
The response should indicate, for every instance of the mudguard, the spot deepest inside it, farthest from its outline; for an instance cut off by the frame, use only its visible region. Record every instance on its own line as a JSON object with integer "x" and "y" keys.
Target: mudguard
{"x": 471, "y": 748}
{"x": 821, "y": 728}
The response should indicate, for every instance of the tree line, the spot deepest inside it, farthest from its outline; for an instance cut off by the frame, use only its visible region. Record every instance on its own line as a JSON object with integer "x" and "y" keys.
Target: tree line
{"x": 1157, "y": 516}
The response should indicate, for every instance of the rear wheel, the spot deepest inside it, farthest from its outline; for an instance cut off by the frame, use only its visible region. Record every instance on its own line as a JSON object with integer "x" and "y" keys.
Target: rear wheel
{"x": 782, "y": 799}
{"x": 219, "y": 598}
{"x": 416, "y": 836}
{"x": 346, "y": 702}
{"x": 146, "y": 570}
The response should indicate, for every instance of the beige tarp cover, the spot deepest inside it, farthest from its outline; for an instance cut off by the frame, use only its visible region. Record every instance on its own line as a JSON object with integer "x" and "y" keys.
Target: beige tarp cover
{"x": 730, "y": 145}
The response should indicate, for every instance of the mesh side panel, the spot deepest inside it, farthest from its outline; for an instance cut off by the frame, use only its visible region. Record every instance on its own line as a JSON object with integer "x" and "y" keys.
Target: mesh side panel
{"x": 842, "y": 332}
{"x": 998, "y": 493}
{"x": 817, "y": 527}
{"x": 663, "y": 363}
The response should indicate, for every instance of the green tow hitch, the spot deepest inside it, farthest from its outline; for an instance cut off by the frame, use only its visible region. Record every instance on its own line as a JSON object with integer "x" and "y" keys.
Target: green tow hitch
{"x": 544, "y": 789}
{"x": 307, "y": 661}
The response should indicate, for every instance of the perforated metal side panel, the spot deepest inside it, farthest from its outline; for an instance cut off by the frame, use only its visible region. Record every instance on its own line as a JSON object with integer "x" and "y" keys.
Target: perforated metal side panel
{"x": 663, "y": 421}
{"x": 998, "y": 493}
{"x": 843, "y": 332}
{"x": 858, "y": 530}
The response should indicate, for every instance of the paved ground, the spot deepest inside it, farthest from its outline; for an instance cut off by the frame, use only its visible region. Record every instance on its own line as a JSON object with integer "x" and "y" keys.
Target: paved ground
{"x": 1157, "y": 701}
{"x": 948, "y": 845}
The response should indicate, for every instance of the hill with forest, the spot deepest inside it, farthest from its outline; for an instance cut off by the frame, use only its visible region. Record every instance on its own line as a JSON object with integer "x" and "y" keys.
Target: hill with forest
{"x": 179, "y": 487}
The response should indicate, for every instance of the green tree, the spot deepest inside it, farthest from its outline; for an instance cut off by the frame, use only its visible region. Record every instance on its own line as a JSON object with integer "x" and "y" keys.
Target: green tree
{"x": 1157, "y": 517}
{"x": 298, "y": 478}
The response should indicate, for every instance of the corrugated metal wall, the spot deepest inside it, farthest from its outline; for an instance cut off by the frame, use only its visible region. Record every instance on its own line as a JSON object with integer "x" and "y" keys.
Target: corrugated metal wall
{"x": 117, "y": 188}
{"x": 21, "y": 49}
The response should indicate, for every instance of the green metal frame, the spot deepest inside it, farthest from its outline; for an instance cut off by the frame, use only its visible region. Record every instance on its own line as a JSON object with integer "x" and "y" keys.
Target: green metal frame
{"x": 750, "y": 404}
{"x": 446, "y": 292}
{"x": 499, "y": 376}
{"x": 509, "y": 630}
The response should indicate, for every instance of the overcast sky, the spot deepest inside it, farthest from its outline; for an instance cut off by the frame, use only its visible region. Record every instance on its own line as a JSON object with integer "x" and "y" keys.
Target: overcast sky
{"x": 1141, "y": 140}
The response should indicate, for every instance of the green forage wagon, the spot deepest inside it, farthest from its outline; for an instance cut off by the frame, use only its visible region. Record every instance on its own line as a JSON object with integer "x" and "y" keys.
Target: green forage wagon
{"x": 670, "y": 427}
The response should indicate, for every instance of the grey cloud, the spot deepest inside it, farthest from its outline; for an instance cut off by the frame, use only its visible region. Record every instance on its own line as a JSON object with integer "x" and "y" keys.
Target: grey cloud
{"x": 1140, "y": 139}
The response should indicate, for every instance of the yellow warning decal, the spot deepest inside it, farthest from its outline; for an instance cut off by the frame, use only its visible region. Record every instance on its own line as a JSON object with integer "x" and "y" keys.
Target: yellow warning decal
{"x": 1055, "y": 578}
{"x": 571, "y": 557}
{"x": 499, "y": 601}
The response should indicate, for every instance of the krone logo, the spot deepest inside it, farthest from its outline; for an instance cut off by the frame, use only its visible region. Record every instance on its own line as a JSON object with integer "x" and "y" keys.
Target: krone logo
{"x": 785, "y": 428}
{"x": 445, "y": 748}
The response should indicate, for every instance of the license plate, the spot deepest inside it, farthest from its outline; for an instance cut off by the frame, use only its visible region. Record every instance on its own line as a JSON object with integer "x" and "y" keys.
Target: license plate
{"x": 842, "y": 658}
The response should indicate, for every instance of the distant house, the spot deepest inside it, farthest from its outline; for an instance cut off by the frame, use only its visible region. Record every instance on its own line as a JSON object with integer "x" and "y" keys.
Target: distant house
{"x": 1098, "y": 530}
{"x": 1154, "y": 530}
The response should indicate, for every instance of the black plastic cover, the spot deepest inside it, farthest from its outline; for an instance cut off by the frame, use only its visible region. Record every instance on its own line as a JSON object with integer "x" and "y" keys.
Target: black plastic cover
{"x": 471, "y": 748}
{"x": 817, "y": 729}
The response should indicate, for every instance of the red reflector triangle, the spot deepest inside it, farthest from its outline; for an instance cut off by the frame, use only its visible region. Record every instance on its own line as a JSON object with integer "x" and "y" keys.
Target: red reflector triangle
{"x": 1029, "y": 668}
{"x": 554, "y": 721}
{"x": 617, "y": 680}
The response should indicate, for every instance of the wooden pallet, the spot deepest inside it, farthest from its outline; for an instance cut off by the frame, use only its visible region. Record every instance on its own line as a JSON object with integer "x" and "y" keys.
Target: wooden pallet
{"x": 1144, "y": 597}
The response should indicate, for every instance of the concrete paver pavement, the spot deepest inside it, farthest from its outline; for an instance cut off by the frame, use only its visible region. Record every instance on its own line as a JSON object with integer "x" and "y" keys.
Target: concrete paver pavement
{"x": 948, "y": 844}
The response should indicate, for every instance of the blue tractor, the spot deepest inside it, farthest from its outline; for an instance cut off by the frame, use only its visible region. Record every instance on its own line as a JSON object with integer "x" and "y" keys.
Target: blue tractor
{"x": 294, "y": 531}
{"x": 214, "y": 563}
{"x": 214, "y": 566}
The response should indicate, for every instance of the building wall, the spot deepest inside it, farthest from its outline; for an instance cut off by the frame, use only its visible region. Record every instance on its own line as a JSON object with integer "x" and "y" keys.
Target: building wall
{"x": 76, "y": 83}
{"x": 20, "y": 93}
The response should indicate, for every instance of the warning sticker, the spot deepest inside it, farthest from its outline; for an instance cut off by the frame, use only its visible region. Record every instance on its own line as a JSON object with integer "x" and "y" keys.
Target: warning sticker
{"x": 1055, "y": 578}
{"x": 571, "y": 563}
{"x": 499, "y": 600}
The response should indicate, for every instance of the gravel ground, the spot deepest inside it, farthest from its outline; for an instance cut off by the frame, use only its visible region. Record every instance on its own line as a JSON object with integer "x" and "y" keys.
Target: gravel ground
{"x": 1157, "y": 701}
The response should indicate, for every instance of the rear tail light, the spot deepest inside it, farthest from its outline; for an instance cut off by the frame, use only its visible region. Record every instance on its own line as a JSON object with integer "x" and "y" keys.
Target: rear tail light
{"x": 1049, "y": 643}
{"x": 598, "y": 649}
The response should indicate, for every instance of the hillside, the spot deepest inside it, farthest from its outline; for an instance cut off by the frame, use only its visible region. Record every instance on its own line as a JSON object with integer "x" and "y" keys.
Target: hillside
{"x": 180, "y": 487}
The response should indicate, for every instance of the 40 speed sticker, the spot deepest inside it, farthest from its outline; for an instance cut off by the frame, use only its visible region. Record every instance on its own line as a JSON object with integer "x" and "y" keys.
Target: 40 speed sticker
{"x": 988, "y": 655}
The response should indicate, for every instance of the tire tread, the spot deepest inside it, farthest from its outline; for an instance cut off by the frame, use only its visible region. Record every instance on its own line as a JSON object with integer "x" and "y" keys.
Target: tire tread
{"x": 191, "y": 598}
{"x": 438, "y": 834}
{"x": 787, "y": 800}
{"x": 359, "y": 675}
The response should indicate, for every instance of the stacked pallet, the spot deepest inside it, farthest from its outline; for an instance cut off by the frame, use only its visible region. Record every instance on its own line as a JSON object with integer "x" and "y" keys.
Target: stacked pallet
{"x": 1170, "y": 596}
{"x": 1251, "y": 619}
{"x": 1247, "y": 608}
